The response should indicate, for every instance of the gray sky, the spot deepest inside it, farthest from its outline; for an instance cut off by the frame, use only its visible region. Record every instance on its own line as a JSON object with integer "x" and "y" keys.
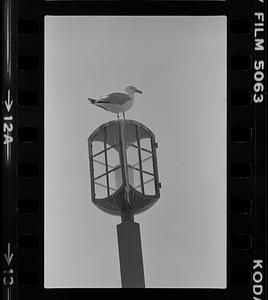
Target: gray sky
{"x": 180, "y": 65}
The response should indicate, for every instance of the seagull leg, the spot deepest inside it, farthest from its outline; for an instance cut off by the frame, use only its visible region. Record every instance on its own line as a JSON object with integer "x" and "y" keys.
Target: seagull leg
{"x": 117, "y": 116}
{"x": 124, "y": 115}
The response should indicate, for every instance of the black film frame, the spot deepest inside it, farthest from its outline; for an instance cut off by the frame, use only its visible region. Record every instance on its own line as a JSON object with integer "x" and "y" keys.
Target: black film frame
{"x": 22, "y": 201}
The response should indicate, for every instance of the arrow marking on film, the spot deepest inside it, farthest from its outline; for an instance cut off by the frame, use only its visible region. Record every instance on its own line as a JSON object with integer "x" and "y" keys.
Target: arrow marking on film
{"x": 8, "y": 256}
{"x": 9, "y": 102}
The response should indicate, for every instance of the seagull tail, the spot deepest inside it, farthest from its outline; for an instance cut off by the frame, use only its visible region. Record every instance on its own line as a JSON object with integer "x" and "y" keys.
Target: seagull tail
{"x": 92, "y": 100}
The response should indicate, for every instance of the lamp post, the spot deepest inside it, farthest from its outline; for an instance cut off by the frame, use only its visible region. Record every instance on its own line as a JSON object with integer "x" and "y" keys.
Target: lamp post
{"x": 124, "y": 182}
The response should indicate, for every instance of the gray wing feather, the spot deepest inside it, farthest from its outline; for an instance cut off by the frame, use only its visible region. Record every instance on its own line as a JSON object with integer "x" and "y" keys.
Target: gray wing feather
{"x": 115, "y": 98}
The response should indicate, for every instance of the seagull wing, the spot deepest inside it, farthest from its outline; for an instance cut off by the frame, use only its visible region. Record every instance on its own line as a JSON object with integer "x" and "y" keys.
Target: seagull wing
{"x": 115, "y": 98}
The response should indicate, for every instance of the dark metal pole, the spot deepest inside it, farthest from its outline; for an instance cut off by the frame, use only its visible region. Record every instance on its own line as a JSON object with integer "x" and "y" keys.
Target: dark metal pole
{"x": 127, "y": 215}
{"x": 130, "y": 254}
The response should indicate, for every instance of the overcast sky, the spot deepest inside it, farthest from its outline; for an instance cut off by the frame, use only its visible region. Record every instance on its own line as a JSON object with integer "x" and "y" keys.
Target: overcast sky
{"x": 180, "y": 65}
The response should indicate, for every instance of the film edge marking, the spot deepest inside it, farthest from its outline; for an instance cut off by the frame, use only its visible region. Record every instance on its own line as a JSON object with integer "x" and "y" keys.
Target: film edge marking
{"x": 258, "y": 85}
{"x": 8, "y": 279}
{"x": 257, "y": 277}
{"x": 8, "y": 126}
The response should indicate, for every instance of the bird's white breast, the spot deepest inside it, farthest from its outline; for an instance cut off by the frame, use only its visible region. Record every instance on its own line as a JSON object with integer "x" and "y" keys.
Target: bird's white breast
{"x": 127, "y": 105}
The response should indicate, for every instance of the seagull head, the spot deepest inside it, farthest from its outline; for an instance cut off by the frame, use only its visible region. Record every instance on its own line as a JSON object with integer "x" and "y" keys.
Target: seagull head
{"x": 131, "y": 90}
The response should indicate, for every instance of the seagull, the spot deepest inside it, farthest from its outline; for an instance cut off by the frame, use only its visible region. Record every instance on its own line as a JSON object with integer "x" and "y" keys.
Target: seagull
{"x": 117, "y": 102}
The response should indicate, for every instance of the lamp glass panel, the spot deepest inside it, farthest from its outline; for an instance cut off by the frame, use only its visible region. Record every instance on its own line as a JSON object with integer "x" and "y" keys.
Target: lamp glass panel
{"x": 146, "y": 144}
{"x": 145, "y": 139}
{"x": 112, "y": 132}
{"x": 147, "y": 164}
{"x": 97, "y": 143}
{"x": 149, "y": 184}
{"x": 133, "y": 156}
{"x": 145, "y": 155}
{"x": 136, "y": 179}
{"x": 101, "y": 188}
{"x": 113, "y": 159}
{"x": 130, "y": 134}
{"x": 115, "y": 180}
{"x": 99, "y": 165}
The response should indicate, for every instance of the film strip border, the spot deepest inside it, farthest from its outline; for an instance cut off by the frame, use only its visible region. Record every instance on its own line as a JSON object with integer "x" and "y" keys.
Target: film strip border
{"x": 23, "y": 119}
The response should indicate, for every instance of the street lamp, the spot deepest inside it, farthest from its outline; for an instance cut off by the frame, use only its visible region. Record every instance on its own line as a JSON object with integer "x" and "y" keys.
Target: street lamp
{"x": 124, "y": 181}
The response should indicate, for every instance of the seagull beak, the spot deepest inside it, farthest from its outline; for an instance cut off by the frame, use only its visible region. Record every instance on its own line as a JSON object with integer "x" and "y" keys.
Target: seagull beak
{"x": 138, "y": 91}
